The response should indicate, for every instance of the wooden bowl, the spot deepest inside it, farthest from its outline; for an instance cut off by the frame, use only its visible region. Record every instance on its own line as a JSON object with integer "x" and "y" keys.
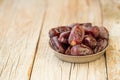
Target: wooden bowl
{"x": 79, "y": 59}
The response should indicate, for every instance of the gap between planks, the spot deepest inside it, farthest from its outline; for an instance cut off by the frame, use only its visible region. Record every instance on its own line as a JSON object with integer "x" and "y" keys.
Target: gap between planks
{"x": 36, "y": 49}
{"x": 12, "y": 71}
{"x": 106, "y": 65}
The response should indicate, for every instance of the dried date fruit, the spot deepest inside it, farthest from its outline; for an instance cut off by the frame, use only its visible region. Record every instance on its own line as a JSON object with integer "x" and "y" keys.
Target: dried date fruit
{"x": 90, "y": 41}
{"x": 56, "y": 31}
{"x": 95, "y": 31}
{"x": 103, "y": 33}
{"x": 79, "y": 39}
{"x": 64, "y": 29}
{"x": 81, "y": 50}
{"x": 56, "y": 45}
{"x": 76, "y": 35}
{"x": 63, "y": 38}
{"x": 86, "y": 26}
{"x": 102, "y": 43}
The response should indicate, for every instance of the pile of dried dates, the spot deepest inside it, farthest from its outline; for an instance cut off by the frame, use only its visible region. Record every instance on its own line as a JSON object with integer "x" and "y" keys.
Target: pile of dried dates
{"x": 78, "y": 39}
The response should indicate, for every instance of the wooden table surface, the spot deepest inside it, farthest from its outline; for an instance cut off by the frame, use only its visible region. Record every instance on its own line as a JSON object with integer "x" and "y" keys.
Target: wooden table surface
{"x": 24, "y": 50}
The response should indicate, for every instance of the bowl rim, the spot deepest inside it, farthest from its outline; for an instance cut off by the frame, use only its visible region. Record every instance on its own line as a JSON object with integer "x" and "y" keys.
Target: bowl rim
{"x": 80, "y": 56}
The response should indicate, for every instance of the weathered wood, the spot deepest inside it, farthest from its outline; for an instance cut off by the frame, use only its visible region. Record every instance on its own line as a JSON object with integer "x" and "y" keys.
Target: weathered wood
{"x": 24, "y": 50}
{"x": 65, "y": 12}
{"x": 20, "y": 24}
{"x": 111, "y": 17}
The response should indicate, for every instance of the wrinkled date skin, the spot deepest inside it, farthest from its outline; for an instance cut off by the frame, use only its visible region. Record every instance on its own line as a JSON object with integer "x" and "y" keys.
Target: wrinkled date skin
{"x": 81, "y": 50}
{"x": 103, "y": 33}
{"x": 102, "y": 43}
{"x": 95, "y": 31}
{"x": 86, "y": 26}
{"x": 76, "y": 35}
{"x": 53, "y": 32}
{"x": 64, "y": 29}
{"x": 56, "y": 45}
{"x": 90, "y": 41}
{"x": 63, "y": 38}
{"x": 56, "y": 31}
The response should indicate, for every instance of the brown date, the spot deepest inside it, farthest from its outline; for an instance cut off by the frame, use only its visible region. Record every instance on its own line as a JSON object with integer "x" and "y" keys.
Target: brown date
{"x": 95, "y": 31}
{"x": 102, "y": 43}
{"x": 90, "y": 41}
{"x": 103, "y": 33}
{"x": 64, "y": 28}
{"x": 86, "y": 26}
{"x": 56, "y": 31}
{"x": 56, "y": 45}
{"x": 76, "y": 35}
{"x": 79, "y": 39}
{"x": 81, "y": 50}
{"x": 63, "y": 38}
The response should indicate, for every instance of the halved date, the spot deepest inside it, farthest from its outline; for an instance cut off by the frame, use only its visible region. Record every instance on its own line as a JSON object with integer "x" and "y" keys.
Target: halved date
{"x": 81, "y": 50}
{"x": 76, "y": 35}
{"x": 56, "y": 45}
{"x": 90, "y": 41}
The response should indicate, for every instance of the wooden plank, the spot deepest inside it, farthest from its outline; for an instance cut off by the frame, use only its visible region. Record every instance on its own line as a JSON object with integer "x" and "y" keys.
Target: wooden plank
{"x": 65, "y": 12}
{"x": 47, "y": 66}
{"x": 20, "y": 24}
{"x": 95, "y": 70}
{"x": 111, "y": 16}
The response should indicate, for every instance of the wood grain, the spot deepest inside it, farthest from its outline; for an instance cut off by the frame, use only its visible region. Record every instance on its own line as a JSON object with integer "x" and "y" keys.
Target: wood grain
{"x": 24, "y": 50}
{"x": 111, "y": 18}
{"x": 20, "y": 24}
{"x": 65, "y": 12}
